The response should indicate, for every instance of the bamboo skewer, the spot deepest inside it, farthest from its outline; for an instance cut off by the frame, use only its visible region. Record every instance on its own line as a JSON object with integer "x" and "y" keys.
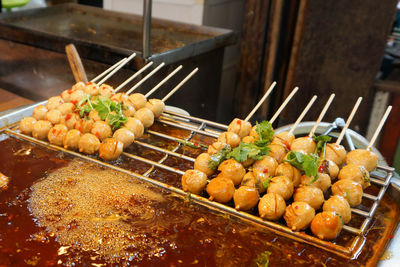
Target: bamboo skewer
{"x": 155, "y": 88}
{"x": 145, "y": 78}
{"x": 283, "y": 105}
{"x": 116, "y": 69}
{"x": 180, "y": 85}
{"x": 107, "y": 70}
{"x": 379, "y": 128}
{"x": 272, "y": 86}
{"x": 133, "y": 76}
{"x": 349, "y": 119}
{"x": 303, "y": 113}
{"x": 321, "y": 116}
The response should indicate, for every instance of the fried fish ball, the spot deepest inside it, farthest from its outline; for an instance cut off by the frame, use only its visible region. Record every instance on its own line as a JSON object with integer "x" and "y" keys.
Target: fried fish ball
{"x": 363, "y": 157}
{"x": 39, "y": 112}
{"x": 221, "y": 189}
{"x": 84, "y": 125}
{"x": 125, "y": 136}
{"x": 71, "y": 139}
{"x": 278, "y": 152}
{"x": 245, "y": 198}
{"x": 271, "y": 207}
{"x": 229, "y": 138}
{"x": 110, "y": 149}
{"x": 135, "y": 126}
{"x": 336, "y": 153}
{"x": 88, "y": 144}
{"x": 284, "y": 139}
{"x": 248, "y": 139}
{"x": 26, "y": 125}
{"x": 357, "y": 173}
{"x": 286, "y": 169}
{"x": 66, "y": 108}
{"x": 250, "y": 180}
{"x": 339, "y": 205}
{"x": 91, "y": 89}
{"x": 77, "y": 96}
{"x": 215, "y": 147}
{"x": 106, "y": 90}
{"x": 326, "y": 225}
{"x": 41, "y": 129}
{"x": 201, "y": 164}
{"x": 139, "y": 101}
{"x": 305, "y": 145}
{"x": 329, "y": 167}
{"x": 101, "y": 129}
{"x": 54, "y": 102}
{"x": 146, "y": 116}
{"x": 119, "y": 97}
{"x": 323, "y": 181}
{"x": 233, "y": 170}
{"x": 281, "y": 185}
{"x": 128, "y": 109}
{"x": 350, "y": 190}
{"x": 54, "y": 116}
{"x": 309, "y": 194}
{"x": 78, "y": 86}
{"x": 157, "y": 106}
{"x": 240, "y": 127}
{"x": 94, "y": 115}
{"x": 266, "y": 166}
{"x": 66, "y": 95}
{"x": 57, "y": 133}
{"x": 194, "y": 181}
{"x": 299, "y": 215}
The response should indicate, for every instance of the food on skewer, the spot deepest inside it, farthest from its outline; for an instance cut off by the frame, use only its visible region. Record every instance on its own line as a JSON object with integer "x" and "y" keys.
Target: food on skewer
{"x": 26, "y": 125}
{"x": 357, "y": 173}
{"x": 91, "y": 89}
{"x": 66, "y": 108}
{"x": 329, "y": 167}
{"x": 233, "y": 170}
{"x": 110, "y": 149}
{"x": 338, "y": 204}
{"x": 39, "y": 112}
{"x": 281, "y": 185}
{"x": 335, "y": 153}
{"x": 54, "y": 116}
{"x": 309, "y": 194}
{"x": 250, "y": 180}
{"x": 278, "y": 152}
{"x": 215, "y": 147}
{"x": 323, "y": 181}
{"x": 146, "y": 116}
{"x": 221, "y": 189}
{"x": 299, "y": 215}
{"x": 84, "y": 125}
{"x": 139, "y": 101}
{"x": 286, "y": 169}
{"x": 106, "y": 90}
{"x": 229, "y": 138}
{"x": 88, "y": 144}
{"x": 56, "y": 134}
{"x": 135, "y": 126}
{"x": 156, "y": 106}
{"x": 265, "y": 167}
{"x": 305, "y": 145}
{"x": 101, "y": 129}
{"x": 326, "y": 225}
{"x": 125, "y": 136}
{"x": 202, "y": 164}
{"x": 76, "y": 96}
{"x": 240, "y": 127}
{"x": 194, "y": 181}
{"x": 245, "y": 198}
{"x": 271, "y": 206}
{"x": 350, "y": 190}
{"x": 54, "y": 102}
{"x": 71, "y": 139}
{"x": 41, "y": 129}
{"x": 363, "y": 157}
{"x": 284, "y": 139}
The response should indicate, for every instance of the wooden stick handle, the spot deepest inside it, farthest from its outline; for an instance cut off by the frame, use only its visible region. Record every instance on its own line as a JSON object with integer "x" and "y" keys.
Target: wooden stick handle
{"x": 379, "y": 128}
{"x": 101, "y": 75}
{"x": 303, "y": 114}
{"x": 260, "y": 102}
{"x": 145, "y": 78}
{"x": 163, "y": 81}
{"x": 349, "y": 119}
{"x": 283, "y": 105}
{"x": 75, "y": 63}
{"x": 116, "y": 69}
{"x": 133, "y": 76}
{"x": 321, "y": 116}
{"x": 180, "y": 84}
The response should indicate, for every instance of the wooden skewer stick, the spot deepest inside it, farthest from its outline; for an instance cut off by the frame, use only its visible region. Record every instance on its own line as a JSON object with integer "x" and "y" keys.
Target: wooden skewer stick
{"x": 180, "y": 85}
{"x": 303, "y": 114}
{"x": 75, "y": 62}
{"x": 349, "y": 119}
{"x": 283, "y": 105}
{"x": 321, "y": 116}
{"x": 379, "y": 128}
{"x": 116, "y": 69}
{"x": 163, "y": 81}
{"x": 133, "y": 76}
{"x": 101, "y": 75}
{"x": 261, "y": 101}
{"x": 145, "y": 78}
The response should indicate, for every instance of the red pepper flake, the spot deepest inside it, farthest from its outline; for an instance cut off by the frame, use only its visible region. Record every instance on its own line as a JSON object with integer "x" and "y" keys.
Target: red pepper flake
{"x": 286, "y": 143}
{"x": 265, "y": 171}
{"x": 97, "y": 134}
{"x": 89, "y": 83}
{"x": 68, "y": 116}
{"x": 196, "y": 144}
{"x": 54, "y": 131}
{"x": 10, "y": 217}
{"x": 69, "y": 91}
{"x": 239, "y": 122}
{"x": 74, "y": 102}
{"x": 391, "y": 236}
{"x": 296, "y": 207}
{"x": 321, "y": 168}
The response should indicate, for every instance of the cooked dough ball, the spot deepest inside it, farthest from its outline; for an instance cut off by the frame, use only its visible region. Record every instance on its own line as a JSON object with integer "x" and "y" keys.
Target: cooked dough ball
{"x": 305, "y": 145}
{"x": 78, "y": 86}
{"x": 233, "y": 170}
{"x": 125, "y": 136}
{"x": 146, "y": 116}
{"x": 54, "y": 116}
{"x": 336, "y": 153}
{"x": 89, "y": 144}
{"x": 201, "y": 164}
{"x": 26, "y": 125}
{"x": 84, "y": 125}
{"x": 323, "y": 181}
{"x": 363, "y": 157}
{"x": 91, "y": 89}
{"x": 66, "y": 95}
{"x": 135, "y": 126}
{"x": 39, "y": 112}
{"x": 106, "y": 90}
{"x": 110, "y": 149}
{"x": 94, "y": 115}
{"x": 265, "y": 167}
{"x": 229, "y": 138}
{"x": 54, "y": 102}
{"x": 66, "y": 108}
{"x": 102, "y": 130}
{"x": 309, "y": 194}
{"x": 339, "y": 205}
{"x": 77, "y": 96}
{"x": 350, "y": 190}
{"x": 215, "y": 147}
{"x": 250, "y": 180}
{"x": 139, "y": 101}
{"x": 329, "y": 167}
{"x": 71, "y": 139}
{"x": 56, "y": 134}
{"x": 357, "y": 173}
{"x": 299, "y": 215}
{"x": 326, "y": 225}
{"x": 119, "y": 97}
{"x": 128, "y": 110}
{"x": 271, "y": 207}
{"x": 156, "y": 106}
{"x": 240, "y": 127}
{"x": 221, "y": 189}
{"x": 281, "y": 185}
{"x": 286, "y": 169}
{"x": 284, "y": 139}
{"x": 245, "y": 198}
{"x": 194, "y": 181}
{"x": 278, "y": 152}
{"x": 248, "y": 139}
{"x": 41, "y": 129}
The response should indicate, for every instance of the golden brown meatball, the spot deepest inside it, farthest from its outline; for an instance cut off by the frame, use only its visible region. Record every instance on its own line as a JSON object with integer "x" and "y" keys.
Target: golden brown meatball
{"x": 146, "y": 116}
{"x": 336, "y": 153}
{"x": 39, "y": 112}
{"x": 363, "y": 157}
{"x": 71, "y": 139}
{"x": 339, "y": 205}
{"x": 156, "y": 106}
{"x": 66, "y": 108}
{"x": 299, "y": 215}
{"x": 106, "y": 90}
{"x": 245, "y": 198}
{"x": 251, "y": 181}
{"x": 326, "y": 225}
{"x": 41, "y": 129}
{"x": 194, "y": 181}
{"x": 329, "y": 167}
{"x": 305, "y": 145}
{"x": 110, "y": 149}
{"x": 119, "y": 97}
{"x": 229, "y": 138}
{"x": 77, "y": 96}
{"x": 240, "y": 127}
{"x": 128, "y": 110}
{"x": 221, "y": 189}
{"x": 271, "y": 207}
{"x": 101, "y": 129}
{"x": 54, "y": 102}
{"x": 286, "y": 169}
{"x": 125, "y": 136}
{"x": 215, "y": 147}
{"x": 323, "y": 181}
{"x": 265, "y": 167}
{"x": 278, "y": 152}
{"x": 248, "y": 139}
{"x": 357, "y": 173}
{"x": 281, "y": 185}
{"x": 139, "y": 101}
{"x": 91, "y": 89}
{"x": 26, "y": 125}
{"x": 135, "y": 126}
{"x": 78, "y": 86}
{"x": 233, "y": 170}
{"x": 309, "y": 194}
{"x": 54, "y": 116}
{"x": 350, "y": 190}
{"x": 94, "y": 115}
{"x": 66, "y": 95}
{"x": 283, "y": 138}
{"x": 56, "y": 134}
{"x": 88, "y": 144}
{"x": 201, "y": 164}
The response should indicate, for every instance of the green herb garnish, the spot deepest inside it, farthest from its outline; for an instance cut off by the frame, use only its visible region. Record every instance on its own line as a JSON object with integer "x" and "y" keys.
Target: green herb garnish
{"x": 265, "y": 131}
{"x": 265, "y": 183}
{"x": 365, "y": 175}
{"x": 341, "y": 218}
{"x": 192, "y": 144}
{"x": 321, "y": 144}
{"x": 217, "y": 158}
{"x": 306, "y": 163}
{"x": 247, "y": 151}
{"x": 263, "y": 259}
{"x": 348, "y": 195}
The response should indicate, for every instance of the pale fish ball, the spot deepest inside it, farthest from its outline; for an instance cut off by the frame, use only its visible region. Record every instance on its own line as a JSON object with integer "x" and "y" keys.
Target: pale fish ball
{"x": 245, "y": 198}
{"x": 84, "y": 125}
{"x": 299, "y": 215}
{"x": 56, "y": 134}
{"x": 194, "y": 181}
{"x": 91, "y": 89}
{"x": 26, "y": 125}
{"x": 329, "y": 167}
{"x": 70, "y": 120}
{"x": 202, "y": 164}
{"x": 221, "y": 189}
{"x": 309, "y": 194}
{"x": 240, "y": 127}
{"x": 278, "y": 152}
{"x": 249, "y": 179}
{"x": 336, "y": 153}
{"x": 233, "y": 170}
{"x": 305, "y": 145}
{"x": 363, "y": 157}
{"x": 102, "y": 130}
{"x": 71, "y": 139}
{"x": 139, "y": 101}
{"x": 215, "y": 147}
{"x": 41, "y": 129}
{"x": 229, "y": 138}
{"x": 66, "y": 95}
{"x": 323, "y": 181}
{"x": 89, "y": 144}
{"x": 281, "y": 185}
{"x": 128, "y": 110}
{"x": 157, "y": 106}
{"x": 78, "y": 86}
{"x": 286, "y": 169}
{"x": 106, "y": 90}
{"x": 110, "y": 149}
{"x": 54, "y": 116}
{"x": 284, "y": 139}
{"x": 271, "y": 206}
{"x": 146, "y": 116}
{"x": 357, "y": 173}
{"x": 119, "y": 97}
{"x": 66, "y": 108}
{"x": 125, "y": 136}
{"x": 266, "y": 166}
{"x": 94, "y": 115}
{"x": 77, "y": 96}
{"x": 135, "y": 126}
{"x": 350, "y": 190}
{"x": 326, "y": 225}
{"x": 40, "y": 112}
{"x": 54, "y": 102}
{"x": 339, "y": 205}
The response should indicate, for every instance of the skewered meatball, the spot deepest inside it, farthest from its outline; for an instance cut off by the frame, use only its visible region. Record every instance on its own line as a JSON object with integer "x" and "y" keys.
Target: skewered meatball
{"x": 336, "y": 153}
{"x": 339, "y": 205}
{"x": 125, "y": 136}
{"x": 201, "y": 164}
{"x": 245, "y": 198}
{"x": 326, "y": 225}
{"x": 286, "y": 169}
{"x": 89, "y": 144}
{"x": 91, "y": 89}
{"x": 271, "y": 207}
{"x": 39, "y": 112}
{"x": 119, "y": 97}
{"x": 221, "y": 189}
{"x": 56, "y": 134}
{"x": 309, "y": 194}
{"x": 139, "y": 101}
{"x": 278, "y": 152}
{"x": 106, "y": 90}
{"x": 78, "y": 86}
{"x": 305, "y": 145}
{"x": 110, "y": 149}
{"x": 194, "y": 181}
{"x": 350, "y": 190}
{"x": 66, "y": 108}
{"x": 66, "y": 95}
{"x": 41, "y": 129}
{"x": 251, "y": 181}
{"x": 357, "y": 173}
{"x": 281, "y": 185}
{"x": 299, "y": 215}
{"x": 323, "y": 181}
{"x": 146, "y": 116}
{"x": 94, "y": 115}
{"x": 229, "y": 138}
{"x": 240, "y": 127}
{"x": 70, "y": 120}
{"x": 4, "y": 181}
{"x": 71, "y": 139}
{"x": 363, "y": 157}
{"x": 284, "y": 139}
{"x": 248, "y": 139}
{"x": 135, "y": 126}
{"x": 215, "y": 147}
{"x": 128, "y": 109}
{"x": 102, "y": 130}
{"x": 77, "y": 96}
{"x": 54, "y": 102}
{"x": 54, "y": 116}
{"x": 156, "y": 106}
{"x": 265, "y": 167}
{"x": 233, "y": 170}
{"x": 329, "y": 167}
{"x": 26, "y": 125}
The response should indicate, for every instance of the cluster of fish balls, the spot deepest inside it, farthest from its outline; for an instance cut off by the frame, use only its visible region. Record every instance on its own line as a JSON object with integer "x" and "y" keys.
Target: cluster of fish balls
{"x": 286, "y": 184}
{"x": 60, "y": 123}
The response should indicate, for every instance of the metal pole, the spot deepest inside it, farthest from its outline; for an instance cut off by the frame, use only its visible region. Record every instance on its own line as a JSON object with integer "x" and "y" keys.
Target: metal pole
{"x": 147, "y": 4}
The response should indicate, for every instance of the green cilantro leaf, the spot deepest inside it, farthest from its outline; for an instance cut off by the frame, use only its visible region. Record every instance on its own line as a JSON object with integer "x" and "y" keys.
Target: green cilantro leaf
{"x": 265, "y": 131}
{"x": 263, "y": 259}
{"x": 247, "y": 151}
{"x": 321, "y": 144}
{"x": 217, "y": 158}
{"x": 348, "y": 195}
{"x": 192, "y": 144}
{"x": 265, "y": 183}
{"x": 116, "y": 120}
{"x": 306, "y": 163}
